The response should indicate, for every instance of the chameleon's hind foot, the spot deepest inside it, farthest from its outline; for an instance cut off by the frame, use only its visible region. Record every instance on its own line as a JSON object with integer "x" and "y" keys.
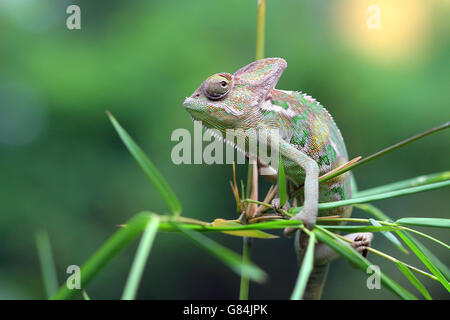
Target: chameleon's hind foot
{"x": 361, "y": 241}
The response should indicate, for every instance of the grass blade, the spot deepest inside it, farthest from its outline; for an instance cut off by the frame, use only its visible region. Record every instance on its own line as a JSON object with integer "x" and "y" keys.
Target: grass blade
{"x": 380, "y": 196}
{"x": 427, "y": 236}
{"x": 305, "y": 269}
{"x": 413, "y": 279}
{"x": 414, "y": 182}
{"x": 150, "y": 170}
{"x": 425, "y": 222}
{"x": 47, "y": 265}
{"x": 281, "y": 182}
{"x": 228, "y": 257}
{"x": 359, "y": 261}
{"x": 389, "y": 149}
{"x": 107, "y": 251}
{"x": 410, "y": 243}
{"x": 140, "y": 259}
{"x": 85, "y": 295}
{"x": 390, "y": 237}
{"x": 382, "y": 216}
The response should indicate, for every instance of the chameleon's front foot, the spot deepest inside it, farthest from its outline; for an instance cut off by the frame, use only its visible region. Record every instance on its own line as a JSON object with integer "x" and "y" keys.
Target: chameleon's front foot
{"x": 276, "y": 205}
{"x": 308, "y": 217}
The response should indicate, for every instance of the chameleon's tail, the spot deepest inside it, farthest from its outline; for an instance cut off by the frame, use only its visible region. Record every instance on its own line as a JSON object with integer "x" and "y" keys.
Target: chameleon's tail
{"x": 316, "y": 282}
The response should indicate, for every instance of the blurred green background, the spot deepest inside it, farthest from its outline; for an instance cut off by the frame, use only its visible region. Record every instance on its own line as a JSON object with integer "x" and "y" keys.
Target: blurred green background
{"x": 64, "y": 169}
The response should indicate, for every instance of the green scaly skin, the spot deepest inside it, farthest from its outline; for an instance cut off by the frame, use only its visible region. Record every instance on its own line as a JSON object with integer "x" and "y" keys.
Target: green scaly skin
{"x": 310, "y": 143}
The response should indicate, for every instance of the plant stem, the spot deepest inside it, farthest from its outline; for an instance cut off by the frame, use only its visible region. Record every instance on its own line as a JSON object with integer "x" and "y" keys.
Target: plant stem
{"x": 252, "y": 179}
{"x": 260, "y": 29}
{"x": 245, "y": 281}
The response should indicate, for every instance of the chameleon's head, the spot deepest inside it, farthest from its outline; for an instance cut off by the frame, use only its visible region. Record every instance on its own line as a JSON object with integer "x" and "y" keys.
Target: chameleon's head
{"x": 227, "y": 100}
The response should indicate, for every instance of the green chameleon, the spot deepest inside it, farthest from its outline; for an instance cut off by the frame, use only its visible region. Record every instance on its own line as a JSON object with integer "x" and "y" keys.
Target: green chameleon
{"x": 309, "y": 142}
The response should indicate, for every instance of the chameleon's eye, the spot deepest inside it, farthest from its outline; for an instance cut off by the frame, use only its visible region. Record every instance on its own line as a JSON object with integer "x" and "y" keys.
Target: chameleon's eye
{"x": 217, "y": 86}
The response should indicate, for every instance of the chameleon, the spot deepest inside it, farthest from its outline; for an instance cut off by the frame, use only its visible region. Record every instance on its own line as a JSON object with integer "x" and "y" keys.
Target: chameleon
{"x": 309, "y": 142}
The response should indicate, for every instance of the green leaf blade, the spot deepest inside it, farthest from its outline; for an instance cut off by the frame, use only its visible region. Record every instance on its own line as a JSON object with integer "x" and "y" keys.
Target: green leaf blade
{"x": 413, "y": 279}
{"x": 359, "y": 261}
{"x": 426, "y": 261}
{"x": 140, "y": 260}
{"x": 148, "y": 167}
{"x": 305, "y": 270}
{"x": 390, "y": 236}
{"x": 425, "y": 222}
{"x": 228, "y": 257}
{"x": 375, "y": 212}
{"x": 379, "y": 196}
{"x": 115, "y": 244}
{"x": 47, "y": 263}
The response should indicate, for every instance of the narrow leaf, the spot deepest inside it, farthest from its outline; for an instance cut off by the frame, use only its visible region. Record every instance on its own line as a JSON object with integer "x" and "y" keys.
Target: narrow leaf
{"x": 390, "y": 236}
{"x": 107, "y": 251}
{"x": 424, "y": 258}
{"x": 137, "y": 269}
{"x": 413, "y": 279}
{"x": 85, "y": 295}
{"x": 281, "y": 182}
{"x": 425, "y": 222}
{"x": 305, "y": 269}
{"x": 374, "y": 211}
{"x": 47, "y": 265}
{"x": 427, "y": 236}
{"x": 387, "y": 150}
{"x": 359, "y": 261}
{"x": 150, "y": 170}
{"x": 380, "y": 196}
{"x": 414, "y": 182}
{"x": 243, "y": 233}
{"x": 382, "y": 216}
{"x": 228, "y": 257}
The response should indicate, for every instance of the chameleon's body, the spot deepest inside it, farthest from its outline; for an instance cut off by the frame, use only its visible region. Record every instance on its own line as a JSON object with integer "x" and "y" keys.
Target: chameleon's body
{"x": 309, "y": 141}
{"x": 308, "y": 127}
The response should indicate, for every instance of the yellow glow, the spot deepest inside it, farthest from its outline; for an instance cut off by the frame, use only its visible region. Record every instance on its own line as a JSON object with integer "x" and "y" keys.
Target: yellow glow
{"x": 403, "y": 26}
